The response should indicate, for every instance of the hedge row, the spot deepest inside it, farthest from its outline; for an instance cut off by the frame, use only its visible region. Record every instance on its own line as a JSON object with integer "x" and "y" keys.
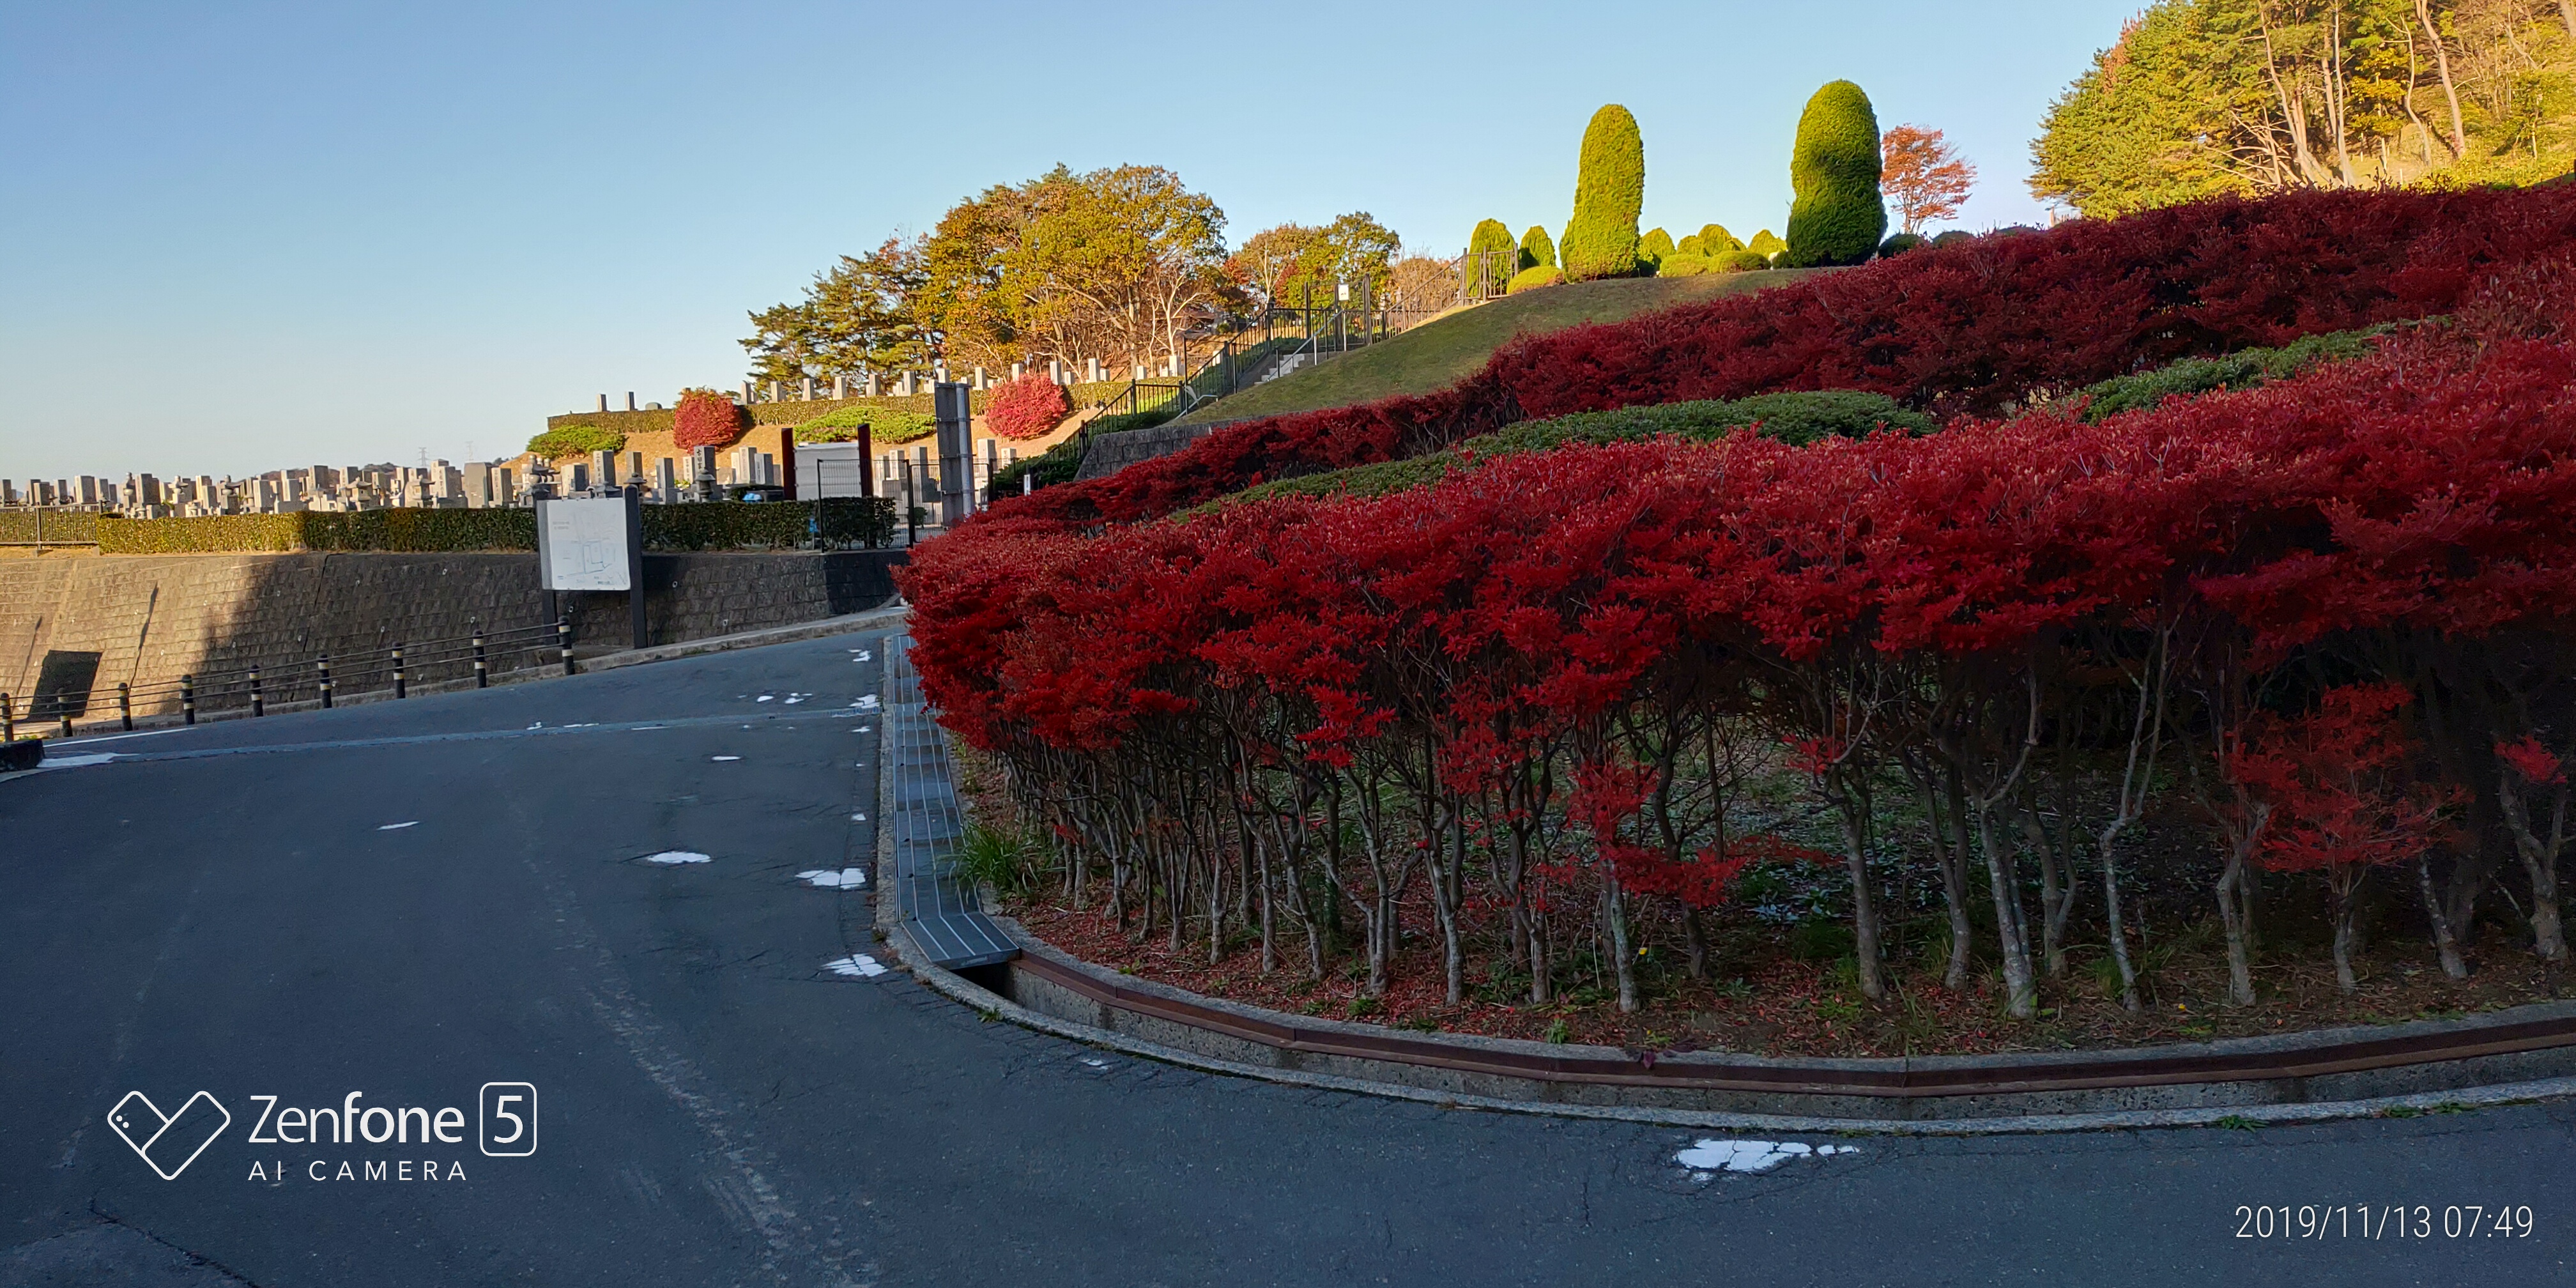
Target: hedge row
{"x": 718, "y": 525}
{"x": 72, "y": 528}
{"x": 799, "y": 412}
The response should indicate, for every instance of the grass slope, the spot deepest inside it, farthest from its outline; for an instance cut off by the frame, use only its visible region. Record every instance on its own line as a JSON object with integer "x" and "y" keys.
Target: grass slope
{"x": 1438, "y": 354}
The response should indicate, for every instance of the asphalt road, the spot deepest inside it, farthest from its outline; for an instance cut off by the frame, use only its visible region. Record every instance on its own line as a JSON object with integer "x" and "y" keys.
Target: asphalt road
{"x": 411, "y": 900}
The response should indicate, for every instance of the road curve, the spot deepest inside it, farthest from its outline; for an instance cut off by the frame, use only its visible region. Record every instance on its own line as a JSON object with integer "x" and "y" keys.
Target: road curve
{"x": 409, "y": 901}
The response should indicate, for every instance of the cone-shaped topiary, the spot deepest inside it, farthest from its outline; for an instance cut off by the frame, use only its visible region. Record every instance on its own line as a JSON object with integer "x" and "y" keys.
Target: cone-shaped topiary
{"x": 1655, "y": 244}
{"x": 1490, "y": 235}
{"x": 1690, "y": 245}
{"x": 1715, "y": 240}
{"x": 1766, "y": 244}
{"x": 1837, "y": 217}
{"x": 1609, "y": 191}
{"x": 1537, "y": 249}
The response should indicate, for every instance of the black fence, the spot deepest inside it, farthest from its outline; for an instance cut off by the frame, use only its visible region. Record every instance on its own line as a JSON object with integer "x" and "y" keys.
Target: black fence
{"x": 321, "y": 680}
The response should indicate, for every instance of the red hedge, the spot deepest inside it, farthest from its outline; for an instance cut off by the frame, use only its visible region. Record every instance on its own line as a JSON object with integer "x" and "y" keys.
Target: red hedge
{"x": 708, "y": 419}
{"x": 1029, "y": 407}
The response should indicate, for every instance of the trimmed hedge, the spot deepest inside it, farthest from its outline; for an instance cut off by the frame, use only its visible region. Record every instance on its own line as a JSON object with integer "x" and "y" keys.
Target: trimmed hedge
{"x": 1055, "y": 465}
{"x": 1609, "y": 193}
{"x": 560, "y": 441}
{"x": 1713, "y": 239}
{"x": 1537, "y": 249}
{"x": 1766, "y": 244}
{"x": 1530, "y": 279}
{"x": 718, "y": 525}
{"x": 1491, "y": 235}
{"x": 1901, "y": 243}
{"x": 1654, "y": 248}
{"x": 70, "y": 527}
{"x": 885, "y": 425}
{"x": 1741, "y": 261}
{"x": 2242, "y": 369}
{"x": 1837, "y": 217}
{"x": 1685, "y": 264}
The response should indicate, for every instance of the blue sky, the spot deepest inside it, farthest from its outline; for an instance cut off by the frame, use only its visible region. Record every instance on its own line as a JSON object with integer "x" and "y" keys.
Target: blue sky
{"x": 247, "y": 236}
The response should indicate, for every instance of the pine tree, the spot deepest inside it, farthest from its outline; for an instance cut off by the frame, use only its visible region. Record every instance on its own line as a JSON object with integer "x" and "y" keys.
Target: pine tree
{"x": 1609, "y": 193}
{"x": 1837, "y": 217}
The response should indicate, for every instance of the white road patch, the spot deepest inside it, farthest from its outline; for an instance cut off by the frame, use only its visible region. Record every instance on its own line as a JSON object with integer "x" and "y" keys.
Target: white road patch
{"x": 858, "y": 818}
{"x": 396, "y": 827}
{"x": 856, "y": 966}
{"x": 1711, "y": 1156}
{"x": 1096, "y": 1064}
{"x": 724, "y": 757}
{"x": 642, "y": 728}
{"x": 793, "y": 701}
{"x": 828, "y": 879}
{"x": 538, "y": 725}
{"x": 866, "y": 702}
{"x": 77, "y": 762}
{"x": 766, "y": 697}
{"x": 673, "y": 858}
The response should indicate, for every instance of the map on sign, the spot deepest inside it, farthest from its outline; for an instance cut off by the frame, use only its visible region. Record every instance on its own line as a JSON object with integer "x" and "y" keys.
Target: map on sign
{"x": 581, "y": 544}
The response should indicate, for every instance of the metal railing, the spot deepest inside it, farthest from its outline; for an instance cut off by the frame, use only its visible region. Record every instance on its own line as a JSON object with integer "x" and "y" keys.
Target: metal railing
{"x": 321, "y": 680}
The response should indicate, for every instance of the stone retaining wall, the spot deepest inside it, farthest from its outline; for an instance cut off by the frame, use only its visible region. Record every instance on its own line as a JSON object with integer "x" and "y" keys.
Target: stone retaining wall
{"x": 82, "y": 624}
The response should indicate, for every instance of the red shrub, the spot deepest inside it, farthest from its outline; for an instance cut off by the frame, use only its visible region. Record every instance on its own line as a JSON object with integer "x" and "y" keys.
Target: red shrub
{"x": 1029, "y": 407}
{"x": 708, "y": 419}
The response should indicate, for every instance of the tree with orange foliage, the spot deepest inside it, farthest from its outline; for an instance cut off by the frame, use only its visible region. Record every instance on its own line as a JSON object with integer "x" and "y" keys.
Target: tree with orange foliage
{"x": 1923, "y": 176}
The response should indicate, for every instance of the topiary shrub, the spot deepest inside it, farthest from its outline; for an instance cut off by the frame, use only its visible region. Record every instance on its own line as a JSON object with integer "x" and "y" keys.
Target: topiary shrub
{"x": 1530, "y": 279}
{"x": 1609, "y": 192}
{"x": 1537, "y": 250}
{"x": 1029, "y": 407}
{"x": 883, "y": 424}
{"x": 1741, "y": 261}
{"x": 708, "y": 419}
{"x": 1901, "y": 243}
{"x": 1714, "y": 239}
{"x": 1837, "y": 217}
{"x": 1490, "y": 235}
{"x": 1954, "y": 237}
{"x": 1681, "y": 264}
{"x": 1765, "y": 244}
{"x": 575, "y": 440}
{"x": 1691, "y": 245}
{"x": 1653, "y": 248}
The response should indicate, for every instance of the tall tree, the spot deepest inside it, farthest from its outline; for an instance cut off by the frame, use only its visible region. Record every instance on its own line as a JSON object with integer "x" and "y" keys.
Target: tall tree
{"x": 1923, "y": 177}
{"x": 1609, "y": 194}
{"x": 1837, "y": 217}
{"x": 857, "y": 317}
{"x": 1128, "y": 253}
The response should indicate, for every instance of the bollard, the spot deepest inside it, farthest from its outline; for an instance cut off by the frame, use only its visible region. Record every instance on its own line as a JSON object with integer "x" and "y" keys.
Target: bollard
{"x": 8, "y": 719}
{"x": 563, "y": 640}
{"x": 63, "y": 712}
{"x": 402, "y": 689}
{"x": 482, "y": 673}
{"x": 125, "y": 705}
{"x": 258, "y": 704}
{"x": 187, "y": 699}
{"x": 323, "y": 665}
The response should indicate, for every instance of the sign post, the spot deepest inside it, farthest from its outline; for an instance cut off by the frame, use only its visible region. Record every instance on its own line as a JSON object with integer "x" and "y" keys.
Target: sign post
{"x": 595, "y": 543}
{"x": 954, "y": 416}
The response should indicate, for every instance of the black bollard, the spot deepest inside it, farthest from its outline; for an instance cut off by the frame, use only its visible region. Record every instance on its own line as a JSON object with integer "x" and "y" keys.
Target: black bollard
{"x": 563, "y": 640}
{"x": 402, "y": 687}
{"x": 482, "y": 672}
{"x": 187, "y": 699}
{"x": 322, "y": 665}
{"x": 125, "y": 705}
{"x": 258, "y": 704}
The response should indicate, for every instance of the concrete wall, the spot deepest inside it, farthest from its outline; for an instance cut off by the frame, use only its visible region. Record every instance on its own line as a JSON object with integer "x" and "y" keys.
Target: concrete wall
{"x": 1110, "y": 453}
{"x": 83, "y": 623}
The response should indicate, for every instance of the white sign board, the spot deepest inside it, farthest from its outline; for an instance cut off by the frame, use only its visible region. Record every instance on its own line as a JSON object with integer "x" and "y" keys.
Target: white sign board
{"x": 581, "y": 544}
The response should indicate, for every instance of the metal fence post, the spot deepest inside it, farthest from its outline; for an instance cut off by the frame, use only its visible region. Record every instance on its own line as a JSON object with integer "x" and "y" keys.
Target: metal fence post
{"x": 258, "y": 704}
{"x": 402, "y": 686}
{"x": 125, "y": 705}
{"x": 563, "y": 641}
{"x": 187, "y": 699}
{"x": 482, "y": 672}
{"x": 323, "y": 665}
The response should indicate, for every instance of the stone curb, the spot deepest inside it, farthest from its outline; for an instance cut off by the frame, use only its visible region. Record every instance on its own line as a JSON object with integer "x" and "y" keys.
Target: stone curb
{"x": 888, "y": 929}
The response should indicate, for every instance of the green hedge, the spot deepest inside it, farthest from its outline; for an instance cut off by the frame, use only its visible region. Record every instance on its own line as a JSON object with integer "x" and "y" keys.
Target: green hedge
{"x": 1795, "y": 418}
{"x": 560, "y": 441}
{"x": 1052, "y": 466}
{"x": 70, "y": 527}
{"x": 717, "y": 525}
{"x": 1530, "y": 279}
{"x": 1538, "y": 250}
{"x": 630, "y": 423}
{"x": 2242, "y": 369}
{"x": 886, "y": 425}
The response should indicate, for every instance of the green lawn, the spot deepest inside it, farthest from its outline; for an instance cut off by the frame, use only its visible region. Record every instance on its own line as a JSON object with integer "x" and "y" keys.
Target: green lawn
{"x": 1442, "y": 353}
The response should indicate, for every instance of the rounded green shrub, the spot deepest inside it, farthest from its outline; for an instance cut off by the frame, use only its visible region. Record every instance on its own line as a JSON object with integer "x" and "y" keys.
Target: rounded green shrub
{"x": 1954, "y": 237}
{"x": 1530, "y": 279}
{"x": 1691, "y": 245}
{"x": 1765, "y": 244}
{"x": 1538, "y": 250}
{"x": 1901, "y": 243}
{"x": 1653, "y": 249}
{"x": 1741, "y": 261}
{"x": 1490, "y": 235}
{"x": 1609, "y": 193}
{"x": 1713, "y": 238}
{"x": 575, "y": 440}
{"x": 1836, "y": 217}
{"x": 1683, "y": 264}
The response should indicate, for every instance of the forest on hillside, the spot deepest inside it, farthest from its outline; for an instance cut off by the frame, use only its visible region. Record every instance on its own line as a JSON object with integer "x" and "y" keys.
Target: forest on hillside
{"x": 2201, "y": 97}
